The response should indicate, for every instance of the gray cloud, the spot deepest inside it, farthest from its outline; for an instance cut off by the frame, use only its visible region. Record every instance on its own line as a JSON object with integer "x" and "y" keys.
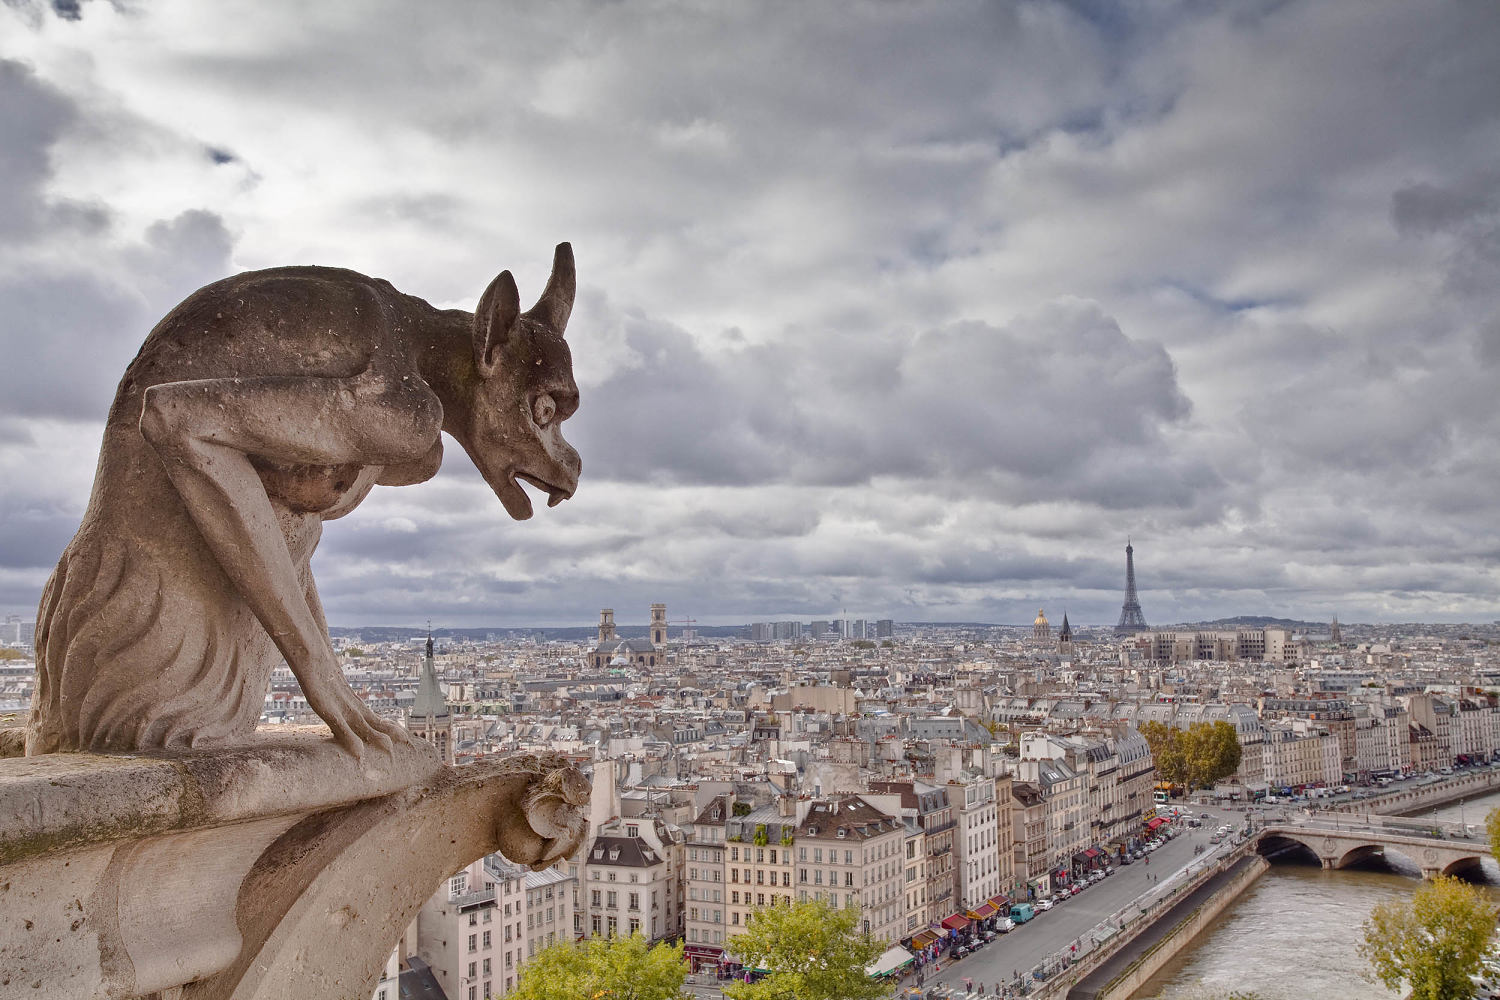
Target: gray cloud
{"x": 915, "y": 310}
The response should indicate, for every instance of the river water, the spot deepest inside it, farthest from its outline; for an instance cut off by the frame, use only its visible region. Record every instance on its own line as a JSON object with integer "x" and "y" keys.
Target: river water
{"x": 1293, "y": 934}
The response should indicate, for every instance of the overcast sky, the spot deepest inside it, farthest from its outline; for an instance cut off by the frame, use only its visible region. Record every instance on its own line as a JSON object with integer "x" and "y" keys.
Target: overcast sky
{"x": 916, "y": 310}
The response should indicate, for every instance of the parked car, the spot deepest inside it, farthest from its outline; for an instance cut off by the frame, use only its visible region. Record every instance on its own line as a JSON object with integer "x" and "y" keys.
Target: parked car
{"x": 1044, "y": 904}
{"x": 1005, "y": 925}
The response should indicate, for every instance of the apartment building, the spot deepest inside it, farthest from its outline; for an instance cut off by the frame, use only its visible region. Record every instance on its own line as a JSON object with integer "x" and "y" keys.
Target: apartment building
{"x": 549, "y": 909}
{"x": 976, "y": 839}
{"x": 471, "y": 932}
{"x": 851, "y": 854}
{"x": 629, "y": 881}
{"x": 1029, "y": 820}
{"x": 934, "y": 813}
{"x": 705, "y": 850}
{"x": 1301, "y": 753}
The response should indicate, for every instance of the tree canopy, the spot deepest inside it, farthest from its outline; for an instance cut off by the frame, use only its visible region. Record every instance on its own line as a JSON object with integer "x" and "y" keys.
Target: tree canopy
{"x": 1492, "y": 827}
{"x": 600, "y": 968}
{"x": 1432, "y": 942}
{"x": 811, "y": 952}
{"x": 1197, "y": 756}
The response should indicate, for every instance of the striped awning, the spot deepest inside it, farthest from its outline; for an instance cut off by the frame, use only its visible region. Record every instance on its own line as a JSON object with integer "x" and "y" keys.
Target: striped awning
{"x": 957, "y": 922}
{"x": 981, "y": 911}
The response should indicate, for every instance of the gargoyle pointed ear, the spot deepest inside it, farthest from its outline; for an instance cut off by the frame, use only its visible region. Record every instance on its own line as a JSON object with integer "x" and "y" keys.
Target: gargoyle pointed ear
{"x": 494, "y": 319}
{"x": 556, "y": 303}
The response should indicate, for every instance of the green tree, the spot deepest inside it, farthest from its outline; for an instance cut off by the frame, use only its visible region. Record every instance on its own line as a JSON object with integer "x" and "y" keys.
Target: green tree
{"x": 1492, "y": 827}
{"x": 604, "y": 969}
{"x": 1433, "y": 942}
{"x": 1167, "y": 751}
{"x": 1212, "y": 751}
{"x": 812, "y": 952}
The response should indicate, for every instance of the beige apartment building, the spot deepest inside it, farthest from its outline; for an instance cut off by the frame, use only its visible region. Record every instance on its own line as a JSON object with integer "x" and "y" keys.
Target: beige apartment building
{"x": 851, "y": 854}
{"x": 934, "y": 812}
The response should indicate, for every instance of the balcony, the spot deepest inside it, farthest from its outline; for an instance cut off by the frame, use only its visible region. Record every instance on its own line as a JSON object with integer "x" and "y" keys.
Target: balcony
{"x": 474, "y": 900}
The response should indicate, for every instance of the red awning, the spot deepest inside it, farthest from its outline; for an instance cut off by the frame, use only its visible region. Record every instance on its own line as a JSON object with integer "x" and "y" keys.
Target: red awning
{"x": 957, "y": 922}
{"x": 1000, "y": 902}
{"x": 1158, "y": 821}
{"x": 923, "y": 939}
{"x": 981, "y": 911}
{"x": 1092, "y": 852}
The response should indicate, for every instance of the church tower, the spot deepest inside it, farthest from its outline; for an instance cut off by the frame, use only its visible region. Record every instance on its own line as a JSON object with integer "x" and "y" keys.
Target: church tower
{"x": 606, "y": 624}
{"x": 659, "y": 626}
{"x": 1041, "y": 630}
{"x": 1065, "y": 639}
{"x": 428, "y": 716}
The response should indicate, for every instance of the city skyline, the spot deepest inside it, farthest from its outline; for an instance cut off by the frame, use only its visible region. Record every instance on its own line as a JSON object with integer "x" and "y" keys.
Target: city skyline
{"x": 921, "y": 310}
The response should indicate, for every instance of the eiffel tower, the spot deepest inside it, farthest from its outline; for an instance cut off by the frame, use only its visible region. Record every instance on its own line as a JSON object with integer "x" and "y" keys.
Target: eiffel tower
{"x": 1131, "y": 619}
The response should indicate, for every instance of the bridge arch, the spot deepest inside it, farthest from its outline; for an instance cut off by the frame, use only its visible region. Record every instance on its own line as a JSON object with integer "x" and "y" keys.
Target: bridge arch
{"x": 1469, "y": 868}
{"x": 1287, "y": 848}
{"x": 1391, "y": 855}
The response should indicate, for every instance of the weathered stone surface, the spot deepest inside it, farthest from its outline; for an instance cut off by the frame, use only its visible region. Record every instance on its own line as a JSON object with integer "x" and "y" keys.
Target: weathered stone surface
{"x": 58, "y": 801}
{"x": 280, "y": 869}
{"x": 262, "y": 406}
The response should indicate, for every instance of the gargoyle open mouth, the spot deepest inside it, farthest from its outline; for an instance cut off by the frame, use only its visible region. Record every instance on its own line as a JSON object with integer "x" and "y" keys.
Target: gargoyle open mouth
{"x": 555, "y": 494}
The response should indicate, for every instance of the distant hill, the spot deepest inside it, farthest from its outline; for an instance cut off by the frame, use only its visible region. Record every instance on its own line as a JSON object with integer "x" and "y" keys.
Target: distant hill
{"x": 1257, "y": 621}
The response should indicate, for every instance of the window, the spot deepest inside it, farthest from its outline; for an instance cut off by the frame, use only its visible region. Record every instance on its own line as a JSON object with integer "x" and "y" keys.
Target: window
{"x": 734, "y": 854}
{"x": 594, "y": 898}
{"x": 486, "y": 939}
{"x": 472, "y": 945}
{"x": 486, "y": 967}
{"x": 849, "y": 879}
{"x": 472, "y": 967}
{"x": 613, "y": 898}
{"x": 635, "y": 901}
{"x": 848, "y": 857}
{"x": 598, "y": 925}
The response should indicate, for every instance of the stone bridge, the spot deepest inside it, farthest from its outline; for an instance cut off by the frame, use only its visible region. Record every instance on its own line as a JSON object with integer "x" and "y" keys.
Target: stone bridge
{"x": 1438, "y": 849}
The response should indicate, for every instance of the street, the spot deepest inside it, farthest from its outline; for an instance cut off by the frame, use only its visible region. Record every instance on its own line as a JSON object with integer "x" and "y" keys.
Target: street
{"x": 1056, "y": 929}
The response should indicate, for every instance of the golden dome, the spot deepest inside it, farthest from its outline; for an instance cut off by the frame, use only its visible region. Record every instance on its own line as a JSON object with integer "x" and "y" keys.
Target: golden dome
{"x": 1041, "y": 617}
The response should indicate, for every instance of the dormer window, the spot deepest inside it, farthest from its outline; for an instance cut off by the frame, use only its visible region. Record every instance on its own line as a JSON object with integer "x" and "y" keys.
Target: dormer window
{"x": 614, "y": 854}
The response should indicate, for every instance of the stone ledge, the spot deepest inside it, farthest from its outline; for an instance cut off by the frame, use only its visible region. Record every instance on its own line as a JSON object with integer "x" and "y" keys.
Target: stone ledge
{"x": 57, "y": 802}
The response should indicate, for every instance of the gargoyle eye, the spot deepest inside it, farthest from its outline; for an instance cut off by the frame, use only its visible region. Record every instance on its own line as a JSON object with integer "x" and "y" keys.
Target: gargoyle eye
{"x": 543, "y": 409}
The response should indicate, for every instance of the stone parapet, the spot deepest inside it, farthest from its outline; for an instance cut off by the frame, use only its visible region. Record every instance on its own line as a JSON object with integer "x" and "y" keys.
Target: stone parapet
{"x": 284, "y": 868}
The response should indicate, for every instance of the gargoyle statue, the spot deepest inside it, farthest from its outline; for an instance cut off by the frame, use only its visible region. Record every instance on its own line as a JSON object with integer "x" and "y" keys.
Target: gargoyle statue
{"x": 262, "y": 406}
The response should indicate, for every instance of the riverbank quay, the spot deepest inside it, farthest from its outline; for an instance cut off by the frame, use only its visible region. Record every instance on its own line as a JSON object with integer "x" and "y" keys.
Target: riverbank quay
{"x": 1415, "y": 799}
{"x": 1116, "y": 972}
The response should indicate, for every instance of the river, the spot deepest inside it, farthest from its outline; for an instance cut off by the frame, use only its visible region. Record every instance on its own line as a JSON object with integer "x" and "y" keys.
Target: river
{"x": 1293, "y": 934}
